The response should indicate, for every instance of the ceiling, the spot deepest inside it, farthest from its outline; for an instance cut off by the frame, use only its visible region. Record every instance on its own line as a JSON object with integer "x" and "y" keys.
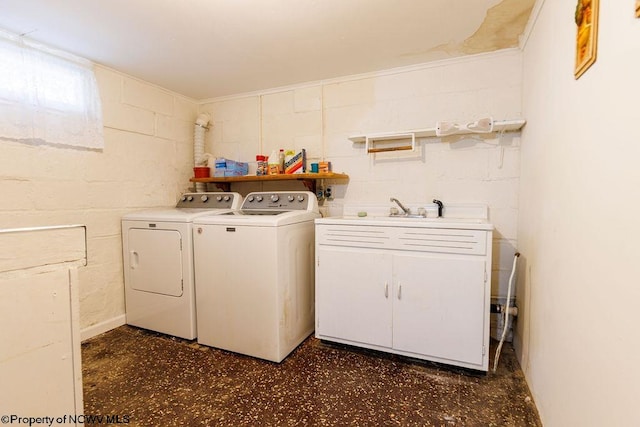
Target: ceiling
{"x": 211, "y": 48}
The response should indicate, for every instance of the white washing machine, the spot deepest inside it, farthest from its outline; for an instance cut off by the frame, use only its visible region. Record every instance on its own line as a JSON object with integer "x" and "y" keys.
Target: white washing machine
{"x": 255, "y": 276}
{"x": 157, "y": 251}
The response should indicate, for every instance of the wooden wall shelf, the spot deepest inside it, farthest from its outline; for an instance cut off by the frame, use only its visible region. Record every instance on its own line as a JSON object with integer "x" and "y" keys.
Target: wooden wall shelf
{"x": 308, "y": 179}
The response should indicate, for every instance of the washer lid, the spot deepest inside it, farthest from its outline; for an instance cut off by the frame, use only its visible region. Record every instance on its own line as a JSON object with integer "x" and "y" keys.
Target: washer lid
{"x": 172, "y": 214}
{"x": 239, "y": 218}
{"x": 190, "y": 206}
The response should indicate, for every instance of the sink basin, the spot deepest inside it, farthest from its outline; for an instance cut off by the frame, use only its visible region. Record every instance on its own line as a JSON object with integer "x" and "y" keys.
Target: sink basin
{"x": 457, "y": 216}
{"x": 423, "y": 219}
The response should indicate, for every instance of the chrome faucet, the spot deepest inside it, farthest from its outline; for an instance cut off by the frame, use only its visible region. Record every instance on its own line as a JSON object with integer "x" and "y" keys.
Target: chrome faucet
{"x": 440, "y": 206}
{"x": 405, "y": 211}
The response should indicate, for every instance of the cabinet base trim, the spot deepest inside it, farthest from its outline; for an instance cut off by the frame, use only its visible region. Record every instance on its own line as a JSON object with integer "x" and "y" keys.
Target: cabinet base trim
{"x": 389, "y": 352}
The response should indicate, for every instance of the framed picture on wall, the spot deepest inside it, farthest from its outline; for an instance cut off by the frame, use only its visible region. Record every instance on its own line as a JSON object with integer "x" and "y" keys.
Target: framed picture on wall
{"x": 586, "y": 19}
{"x": 637, "y": 8}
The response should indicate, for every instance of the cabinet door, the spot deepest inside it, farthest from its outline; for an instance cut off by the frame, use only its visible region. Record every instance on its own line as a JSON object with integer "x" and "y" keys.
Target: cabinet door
{"x": 439, "y": 306}
{"x": 353, "y": 295}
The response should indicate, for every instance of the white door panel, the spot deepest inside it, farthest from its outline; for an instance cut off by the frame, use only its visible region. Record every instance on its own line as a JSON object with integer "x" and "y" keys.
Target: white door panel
{"x": 155, "y": 261}
{"x": 438, "y": 307}
{"x": 353, "y": 293}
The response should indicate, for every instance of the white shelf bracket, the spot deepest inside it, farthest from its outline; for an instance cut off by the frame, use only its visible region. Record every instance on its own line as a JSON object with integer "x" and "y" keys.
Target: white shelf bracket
{"x": 482, "y": 126}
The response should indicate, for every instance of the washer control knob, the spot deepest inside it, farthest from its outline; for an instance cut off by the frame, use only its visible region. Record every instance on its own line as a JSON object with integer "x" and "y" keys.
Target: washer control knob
{"x": 184, "y": 198}
{"x": 227, "y": 198}
{"x": 301, "y": 198}
{"x": 250, "y": 198}
{"x": 290, "y": 198}
{"x": 219, "y": 198}
{"x": 190, "y": 198}
{"x": 204, "y": 198}
{"x": 259, "y": 198}
{"x": 274, "y": 198}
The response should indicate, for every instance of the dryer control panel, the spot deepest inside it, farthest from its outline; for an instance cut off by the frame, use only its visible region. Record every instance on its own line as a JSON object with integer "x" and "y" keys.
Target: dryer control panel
{"x": 215, "y": 200}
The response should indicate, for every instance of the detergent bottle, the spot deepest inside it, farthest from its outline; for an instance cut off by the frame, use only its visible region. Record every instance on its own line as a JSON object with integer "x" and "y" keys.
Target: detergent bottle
{"x": 273, "y": 164}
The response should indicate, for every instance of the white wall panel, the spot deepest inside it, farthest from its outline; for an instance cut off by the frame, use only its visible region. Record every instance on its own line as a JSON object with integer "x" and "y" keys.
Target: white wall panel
{"x": 578, "y": 220}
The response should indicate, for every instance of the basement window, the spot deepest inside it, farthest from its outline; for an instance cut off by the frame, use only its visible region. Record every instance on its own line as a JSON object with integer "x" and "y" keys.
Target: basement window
{"x": 47, "y": 97}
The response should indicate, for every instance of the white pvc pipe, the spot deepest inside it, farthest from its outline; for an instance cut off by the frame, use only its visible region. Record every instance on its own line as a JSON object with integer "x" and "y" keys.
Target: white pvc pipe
{"x": 199, "y": 158}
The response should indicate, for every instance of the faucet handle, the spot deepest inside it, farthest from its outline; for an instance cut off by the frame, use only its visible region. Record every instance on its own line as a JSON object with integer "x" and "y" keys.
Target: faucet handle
{"x": 393, "y": 211}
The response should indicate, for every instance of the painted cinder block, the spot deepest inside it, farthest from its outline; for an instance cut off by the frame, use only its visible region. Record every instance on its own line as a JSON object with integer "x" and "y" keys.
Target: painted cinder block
{"x": 307, "y": 123}
{"x": 126, "y": 117}
{"x": 307, "y": 99}
{"x": 184, "y": 108}
{"x": 277, "y": 103}
{"x": 109, "y": 84}
{"x": 147, "y": 97}
{"x": 276, "y": 128}
{"x": 338, "y": 145}
{"x": 456, "y": 162}
{"x": 175, "y": 129}
{"x": 312, "y": 144}
{"x": 350, "y": 120}
{"x": 505, "y": 220}
{"x": 53, "y": 195}
{"x": 17, "y": 195}
{"x": 104, "y": 299}
{"x": 245, "y": 109}
{"x": 235, "y": 121}
{"x": 503, "y": 193}
{"x": 17, "y": 162}
{"x": 503, "y": 252}
{"x": 408, "y": 85}
{"x": 355, "y": 92}
{"x": 504, "y": 162}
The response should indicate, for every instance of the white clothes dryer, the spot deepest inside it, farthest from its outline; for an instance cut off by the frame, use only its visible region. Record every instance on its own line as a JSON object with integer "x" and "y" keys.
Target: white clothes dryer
{"x": 157, "y": 252}
{"x": 255, "y": 276}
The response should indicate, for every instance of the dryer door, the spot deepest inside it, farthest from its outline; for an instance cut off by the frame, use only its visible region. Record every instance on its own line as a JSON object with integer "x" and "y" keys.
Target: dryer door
{"x": 155, "y": 261}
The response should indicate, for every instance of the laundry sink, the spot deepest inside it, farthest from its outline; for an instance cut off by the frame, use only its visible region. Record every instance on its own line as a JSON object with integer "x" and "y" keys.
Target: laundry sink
{"x": 456, "y": 215}
{"x": 406, "y": 221}
{"x": 418, "y": 218}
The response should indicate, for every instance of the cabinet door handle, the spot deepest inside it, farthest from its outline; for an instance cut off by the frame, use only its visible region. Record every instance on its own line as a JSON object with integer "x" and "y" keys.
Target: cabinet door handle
{"x": 386, "y": 289}
{"x": 399, "y": 290}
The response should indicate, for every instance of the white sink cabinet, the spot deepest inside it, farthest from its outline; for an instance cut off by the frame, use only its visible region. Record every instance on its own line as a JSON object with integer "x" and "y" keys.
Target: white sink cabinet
{"x": 419, "y": 290}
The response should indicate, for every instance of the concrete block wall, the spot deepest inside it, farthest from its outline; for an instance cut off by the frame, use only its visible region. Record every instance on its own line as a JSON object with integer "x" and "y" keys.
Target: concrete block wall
{"x": 146, "y": 162}
{"x": 321, "y": 116}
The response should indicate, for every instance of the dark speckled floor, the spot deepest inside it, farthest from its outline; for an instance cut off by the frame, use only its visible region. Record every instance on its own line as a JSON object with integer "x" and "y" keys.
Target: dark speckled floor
{"x": 150, "y": 379}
